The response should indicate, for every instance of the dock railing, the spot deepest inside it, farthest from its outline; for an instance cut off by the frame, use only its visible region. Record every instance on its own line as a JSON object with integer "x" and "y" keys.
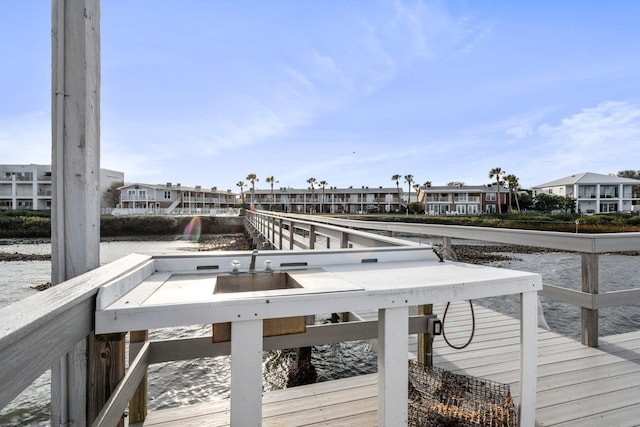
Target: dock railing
{"x": 300, "y": 231}
{"x": 37, "y": 331}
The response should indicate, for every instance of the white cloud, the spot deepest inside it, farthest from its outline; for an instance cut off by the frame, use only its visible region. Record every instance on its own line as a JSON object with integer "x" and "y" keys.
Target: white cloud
{"x": 608, "y": 123}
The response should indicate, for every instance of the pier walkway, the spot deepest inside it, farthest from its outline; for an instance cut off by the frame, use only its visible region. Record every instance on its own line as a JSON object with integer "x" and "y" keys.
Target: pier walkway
{"x": 577, "y": 385}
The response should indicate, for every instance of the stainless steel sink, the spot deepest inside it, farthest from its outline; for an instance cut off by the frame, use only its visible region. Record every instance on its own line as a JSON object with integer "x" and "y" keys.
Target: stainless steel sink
{"x": 254, "y": 282}
{"x": 258, "y": 282}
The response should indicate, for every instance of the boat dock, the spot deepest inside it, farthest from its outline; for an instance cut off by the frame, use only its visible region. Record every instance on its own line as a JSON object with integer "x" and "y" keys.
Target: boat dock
{"x": 577, "y": 385}
{"x": 572, "y": 383}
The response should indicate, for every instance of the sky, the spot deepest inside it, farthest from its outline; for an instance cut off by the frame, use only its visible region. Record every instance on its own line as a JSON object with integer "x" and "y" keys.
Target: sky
{"x": 347, "y": 92}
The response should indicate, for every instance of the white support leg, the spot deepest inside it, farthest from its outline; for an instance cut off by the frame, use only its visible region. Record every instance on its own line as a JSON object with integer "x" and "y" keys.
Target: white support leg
{"x": 393, "y": 364}
{"x": 246, "y": 373}
{"x": 528, "y": 357}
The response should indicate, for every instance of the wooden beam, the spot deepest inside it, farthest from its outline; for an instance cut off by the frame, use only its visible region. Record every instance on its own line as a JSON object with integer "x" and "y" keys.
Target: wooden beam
{"x": 106, "y": 369}
{"x": 590, "y": 285}
{"x": 138, "y": 402}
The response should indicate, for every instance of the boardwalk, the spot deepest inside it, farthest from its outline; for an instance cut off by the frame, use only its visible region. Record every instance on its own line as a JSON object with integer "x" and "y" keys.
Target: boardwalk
{"x": 577, "y": 385}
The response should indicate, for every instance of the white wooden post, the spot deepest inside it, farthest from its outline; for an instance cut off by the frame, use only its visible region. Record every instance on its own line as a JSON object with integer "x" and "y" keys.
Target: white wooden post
{"x": 75, "y": 210}
{"x": 528, "y": 357}
{"x": 589, "y": 266}
{"x": 246, "y": 373}
{"x": 393, "y": 365}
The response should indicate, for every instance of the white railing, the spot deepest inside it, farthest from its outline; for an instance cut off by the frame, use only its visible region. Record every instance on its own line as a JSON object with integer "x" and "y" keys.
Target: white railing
{"x": 37, "y": 331}
{"x": 299, "y": 231}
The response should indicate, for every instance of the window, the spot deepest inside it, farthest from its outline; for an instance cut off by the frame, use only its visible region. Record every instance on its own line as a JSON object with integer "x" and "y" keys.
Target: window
{"x": 472, "y": 209}
{"x": 491, "y": 197}
{"x": 608, "y": 207}
{"x": 608, "y": 191}
{"x": 461, "y": 209}
{"x": 167, "y": 194}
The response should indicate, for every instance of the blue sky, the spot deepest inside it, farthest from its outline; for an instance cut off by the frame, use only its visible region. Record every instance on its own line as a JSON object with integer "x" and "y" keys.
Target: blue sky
{"x": 350, "y": 92}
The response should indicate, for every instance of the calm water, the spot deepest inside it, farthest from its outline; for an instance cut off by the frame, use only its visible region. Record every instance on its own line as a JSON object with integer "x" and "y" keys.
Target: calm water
{"x": 180, "y": 383}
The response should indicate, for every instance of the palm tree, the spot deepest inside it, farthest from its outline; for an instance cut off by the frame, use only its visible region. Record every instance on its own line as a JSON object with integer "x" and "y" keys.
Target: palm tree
{"x": 323, "y": 184}
{"x": 513, "y": 184}
{"x": 271, "y": 180}
{"x": 241, "y": 184}
{"x": 497, "y": 173}
{"x": 311, "y": 181}
{"x": 252, "y": 178}
{"x": 408, "y": 179}
{"x": 396, "y": 178}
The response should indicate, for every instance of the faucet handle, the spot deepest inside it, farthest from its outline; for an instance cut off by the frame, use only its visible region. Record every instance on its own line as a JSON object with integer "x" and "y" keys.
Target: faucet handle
{"x": 235, "y": 265}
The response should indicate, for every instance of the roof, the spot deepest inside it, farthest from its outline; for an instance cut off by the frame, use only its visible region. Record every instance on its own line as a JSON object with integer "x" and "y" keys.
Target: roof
{"x": 177, "y": 187}
{"x": 462, "y": 189}
{"x": 588, "y": 178}
{"x": 327, "y": 190}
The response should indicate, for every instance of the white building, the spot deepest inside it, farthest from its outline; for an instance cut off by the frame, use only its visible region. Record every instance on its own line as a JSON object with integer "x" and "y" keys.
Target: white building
{"x": 28, "y": 187}
{"x": 595, "y": 193}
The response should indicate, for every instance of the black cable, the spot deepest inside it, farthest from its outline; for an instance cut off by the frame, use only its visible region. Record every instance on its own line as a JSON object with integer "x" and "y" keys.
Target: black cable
{"x": 473, "y": 327}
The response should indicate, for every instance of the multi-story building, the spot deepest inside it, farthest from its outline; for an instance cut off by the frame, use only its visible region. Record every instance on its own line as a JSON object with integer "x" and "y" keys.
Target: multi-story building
{"x": 327, "y": 200}
{"x": 172, "y": 199}
{"x": 28, "y": 187}
{"x": 461, "y": 199}
{"x": 595, "y": 193}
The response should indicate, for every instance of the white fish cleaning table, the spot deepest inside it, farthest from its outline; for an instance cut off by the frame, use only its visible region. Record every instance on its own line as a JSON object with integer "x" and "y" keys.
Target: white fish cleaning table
{"x": 178, "y": 290}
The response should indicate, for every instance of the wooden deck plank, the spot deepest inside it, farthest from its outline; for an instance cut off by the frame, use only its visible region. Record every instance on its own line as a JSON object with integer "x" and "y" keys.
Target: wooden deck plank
{"x": 577, "y": 385}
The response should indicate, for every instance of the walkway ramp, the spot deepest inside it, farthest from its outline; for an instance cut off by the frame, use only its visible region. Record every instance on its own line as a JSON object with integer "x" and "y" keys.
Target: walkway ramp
{"x": 577, "y": 385}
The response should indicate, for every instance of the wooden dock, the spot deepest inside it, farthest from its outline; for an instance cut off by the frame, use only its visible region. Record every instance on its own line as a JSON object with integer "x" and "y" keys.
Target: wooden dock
{"x": 577, "y": 385}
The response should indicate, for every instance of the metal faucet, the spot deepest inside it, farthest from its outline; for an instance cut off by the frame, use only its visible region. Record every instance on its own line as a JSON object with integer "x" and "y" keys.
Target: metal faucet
{"x": 252, "y": 266}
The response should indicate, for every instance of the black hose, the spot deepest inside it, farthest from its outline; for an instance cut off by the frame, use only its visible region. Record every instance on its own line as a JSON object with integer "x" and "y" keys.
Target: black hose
{"x": 473, "y": 327}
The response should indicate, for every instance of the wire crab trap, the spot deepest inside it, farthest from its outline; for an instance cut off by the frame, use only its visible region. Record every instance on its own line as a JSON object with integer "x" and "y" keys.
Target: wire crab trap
{"x": 439, "y": 398}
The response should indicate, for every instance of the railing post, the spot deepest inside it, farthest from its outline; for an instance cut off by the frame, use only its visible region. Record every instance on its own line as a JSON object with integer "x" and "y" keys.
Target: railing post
{"x": 312, "y": 236}
{"x": 106, "y": 369}
{"x": 425, "y": 341}
{"x": 279, "y": 233}
{"x": 273, "y": 230}
{"x": 291, "y": 234}
{"x": 344, "y": 239}
{"x": 138, "y": 402}
{"x": 589, "y": 285}
{"x": 446, "y": 242}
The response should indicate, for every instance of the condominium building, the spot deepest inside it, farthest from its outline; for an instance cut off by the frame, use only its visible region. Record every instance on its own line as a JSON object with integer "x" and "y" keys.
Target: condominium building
{"x": 172, "y": 199}
{"x": 29, "y": 187}
{"x": 461, "y": 199}
{"x": 326, "y": 200}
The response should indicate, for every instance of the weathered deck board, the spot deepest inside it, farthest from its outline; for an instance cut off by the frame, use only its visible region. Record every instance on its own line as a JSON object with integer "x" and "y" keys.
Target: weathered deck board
{"x": 577, "y": 385}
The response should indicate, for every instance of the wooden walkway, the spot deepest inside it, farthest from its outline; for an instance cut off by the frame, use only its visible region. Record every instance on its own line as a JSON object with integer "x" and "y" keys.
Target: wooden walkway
{"x": 577, "y": 385}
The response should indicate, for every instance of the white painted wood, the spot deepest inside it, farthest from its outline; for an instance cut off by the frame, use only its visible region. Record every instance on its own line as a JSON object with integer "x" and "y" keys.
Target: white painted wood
{"x": 188, "y": 263}
{"x": 56, "y": 320}
{"x": 587, "y": 243}
{"x": 393, "y": 366}
{"x": 112, "y": 291}
{"x": 246, "y": 373}
{"x": 528, "y": 358}
{"x": 568, "y": 373}
{"x": 200, "y": 347}
{"x": 75, "y": 209}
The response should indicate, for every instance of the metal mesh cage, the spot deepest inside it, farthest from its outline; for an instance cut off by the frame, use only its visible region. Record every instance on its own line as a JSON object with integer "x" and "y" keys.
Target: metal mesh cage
{"x": 438, "y": 398}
